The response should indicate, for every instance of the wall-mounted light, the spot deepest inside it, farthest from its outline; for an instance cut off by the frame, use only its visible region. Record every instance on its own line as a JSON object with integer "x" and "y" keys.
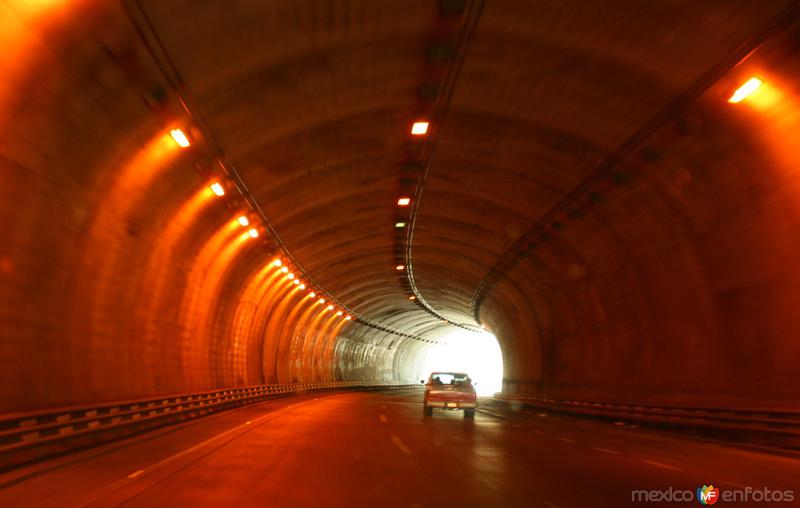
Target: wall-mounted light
{"x": 399, "y": 225}
{"x": 400, "y": 268}
{"x": 403, "y": 201}
{"x": 419, "y": 128}
{"x": 243, "y": 220}
{"x": 253, "y": 233}
{"x": 217, "y": 189}
{"x": 412, "y": 297}
{"x": 745, "y": 90}
{"x": 180, "y": 138}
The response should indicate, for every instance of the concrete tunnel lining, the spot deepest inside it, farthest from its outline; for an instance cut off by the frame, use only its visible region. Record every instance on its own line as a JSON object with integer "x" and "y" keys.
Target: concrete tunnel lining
{"x": 123, "y": 277}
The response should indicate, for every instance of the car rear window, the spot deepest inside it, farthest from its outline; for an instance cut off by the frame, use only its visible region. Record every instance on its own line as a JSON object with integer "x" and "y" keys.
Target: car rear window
{"x": 449, "y": 378}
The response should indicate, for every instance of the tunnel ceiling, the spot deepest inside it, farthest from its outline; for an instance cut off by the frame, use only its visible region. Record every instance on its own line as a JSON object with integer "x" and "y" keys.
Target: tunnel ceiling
{"x": 313, "y": 105}
{"x": 584, "y": 189}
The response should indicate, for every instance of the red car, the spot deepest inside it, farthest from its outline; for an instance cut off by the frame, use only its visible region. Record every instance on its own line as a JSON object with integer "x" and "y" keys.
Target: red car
{"x": 450, "y": 390}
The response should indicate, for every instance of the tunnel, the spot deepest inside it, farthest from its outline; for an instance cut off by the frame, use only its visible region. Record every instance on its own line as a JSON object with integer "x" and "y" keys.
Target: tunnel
{"x": 262, "y": 198}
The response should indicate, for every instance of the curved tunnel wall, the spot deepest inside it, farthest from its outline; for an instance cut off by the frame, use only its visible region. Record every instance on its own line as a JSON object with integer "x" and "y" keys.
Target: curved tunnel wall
{"x": 672, "y": 281}
{"x": 123, "y": 274}
{"x": 675, "y": 279}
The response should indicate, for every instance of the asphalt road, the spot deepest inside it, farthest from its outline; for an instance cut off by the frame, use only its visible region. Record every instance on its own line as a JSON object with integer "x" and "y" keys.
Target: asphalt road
{"x": 376, "y": 449}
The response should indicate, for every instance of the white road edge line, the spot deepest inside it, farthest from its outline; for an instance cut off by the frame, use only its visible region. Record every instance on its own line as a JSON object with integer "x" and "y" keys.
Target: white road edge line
{"x": 660, "y": 464}
{"x": 605, "y": 450}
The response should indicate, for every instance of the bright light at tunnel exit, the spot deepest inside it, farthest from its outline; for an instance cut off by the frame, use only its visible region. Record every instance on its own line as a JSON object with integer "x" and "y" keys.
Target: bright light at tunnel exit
{"x": 477, "y": 354}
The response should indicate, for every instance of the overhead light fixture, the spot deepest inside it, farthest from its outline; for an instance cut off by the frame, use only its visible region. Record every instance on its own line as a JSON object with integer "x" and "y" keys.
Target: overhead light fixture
{"x": 253, "y": 233}
{"x": 285, "y": 269}
{"x": 400, "y": 268}
{"x": 243, "y": 220}
{"x": 399, "y": 225}
{"x": 330, "y": 307}
{"x": 483, "y": 326}
{"x": 217, "y": 189}
{"x": 412, "y": 297}
{"x": 290, "y": 276}
{"x": 312, "y": 294}
{"x": 321, "y": 300}
{"x": 403, "y": 201}
{"x": 339, "y": 313}
{"x": 296, "y": 282}
{"x": 419, "y": 128}
{"x": 179, "y": 137}
{"x": 302, "y": 286}
{"x": 745, "y": 90}
{"x": 277, "y": 262}
{"x": 347, "y": 318}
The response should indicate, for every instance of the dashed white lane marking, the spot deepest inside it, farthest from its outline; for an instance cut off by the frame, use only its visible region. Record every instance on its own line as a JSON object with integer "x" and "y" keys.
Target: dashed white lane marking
{"x": 550, "y": 504}
{"x": 135, "y": 474}
{"x": 566, "y": 440}
{"x": 383, "y": 418}
{"x": 661, "y": 465}
{"x": 605, "y": 450}
{"x": 403, "y": 448}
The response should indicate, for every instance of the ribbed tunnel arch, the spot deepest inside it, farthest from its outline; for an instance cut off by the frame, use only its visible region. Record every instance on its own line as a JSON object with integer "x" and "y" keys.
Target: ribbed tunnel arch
{"x": 585, "y": 192}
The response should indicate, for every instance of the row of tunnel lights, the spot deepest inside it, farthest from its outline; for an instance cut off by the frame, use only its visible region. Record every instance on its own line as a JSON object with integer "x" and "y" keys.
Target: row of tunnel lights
{"x": 420, "y": 128}
{"x": 180, "y": 138}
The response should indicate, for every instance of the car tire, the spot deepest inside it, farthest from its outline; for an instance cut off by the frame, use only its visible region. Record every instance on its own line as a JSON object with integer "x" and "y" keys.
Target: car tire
{"x": 469, "y": 413}
{"x": 427, "y": 411}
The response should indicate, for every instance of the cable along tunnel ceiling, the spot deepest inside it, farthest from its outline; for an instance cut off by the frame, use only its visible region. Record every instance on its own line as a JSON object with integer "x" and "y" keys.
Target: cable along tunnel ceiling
{"x": 126, "y": 277}
{"x": 313, "y": 103}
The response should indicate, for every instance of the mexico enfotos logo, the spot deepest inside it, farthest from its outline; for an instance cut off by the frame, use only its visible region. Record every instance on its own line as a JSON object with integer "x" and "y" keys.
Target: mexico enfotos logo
{"x": 709, "y": 495}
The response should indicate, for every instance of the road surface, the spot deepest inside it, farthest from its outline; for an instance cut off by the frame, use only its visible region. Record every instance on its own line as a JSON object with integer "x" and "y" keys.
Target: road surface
{"x": 377, "y": 449}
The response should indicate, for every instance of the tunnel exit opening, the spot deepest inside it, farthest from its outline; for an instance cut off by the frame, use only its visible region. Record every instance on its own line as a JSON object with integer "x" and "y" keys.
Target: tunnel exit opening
{"x": 477, "y": 354}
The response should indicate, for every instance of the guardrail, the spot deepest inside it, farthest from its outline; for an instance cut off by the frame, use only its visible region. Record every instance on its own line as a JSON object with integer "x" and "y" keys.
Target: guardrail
{"x": 760, "y": 426}
{"x": 28, "y": 437}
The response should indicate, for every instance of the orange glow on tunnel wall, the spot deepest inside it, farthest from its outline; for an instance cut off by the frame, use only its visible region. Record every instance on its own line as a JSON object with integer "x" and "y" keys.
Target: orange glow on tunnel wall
{"x": 776, "y": 123}
{"x": 203, "y": 323}
{"x": 266, "y": 296}
{"x": 161, "y": 262}
{"x": 300, "y": 332}
{"x": 22, "y": 24}
{"x": 313, "y": 333}
{"x": 199, "y": 289}
{"x": 293, "y": 333}
{"x": 116, "y": 240}
{"x": 272, "y": 339}
{"x": 241, "y": 324}
{"x": 323, "y": 354}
